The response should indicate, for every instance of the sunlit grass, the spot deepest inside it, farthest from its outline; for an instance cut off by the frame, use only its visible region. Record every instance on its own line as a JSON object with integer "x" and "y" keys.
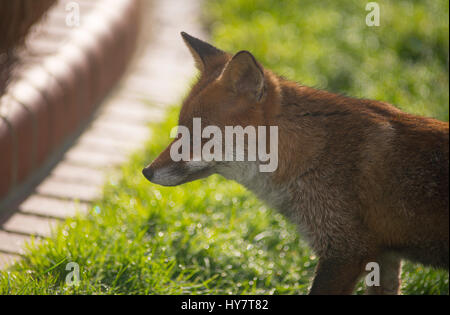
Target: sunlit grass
{"x": 206, "y": 237}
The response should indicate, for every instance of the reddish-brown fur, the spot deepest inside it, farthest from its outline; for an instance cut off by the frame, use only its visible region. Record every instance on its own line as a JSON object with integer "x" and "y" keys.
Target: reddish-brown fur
{"x": 363, "y": 180}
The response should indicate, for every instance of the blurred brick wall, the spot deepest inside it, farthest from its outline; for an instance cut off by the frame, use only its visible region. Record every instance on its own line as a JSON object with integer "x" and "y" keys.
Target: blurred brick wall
{"x": 58, "y": 82}
{"x": 16, "y": 18}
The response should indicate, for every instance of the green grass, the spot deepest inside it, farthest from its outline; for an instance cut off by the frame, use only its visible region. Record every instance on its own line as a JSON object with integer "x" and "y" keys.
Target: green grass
{"x": 205, "y": 237}
{"x": 212, "y": 236}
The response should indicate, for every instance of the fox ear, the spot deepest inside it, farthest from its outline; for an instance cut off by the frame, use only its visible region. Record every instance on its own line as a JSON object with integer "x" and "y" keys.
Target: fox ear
{"x": 245, "y": 75}
{"x": 202, "y": 52}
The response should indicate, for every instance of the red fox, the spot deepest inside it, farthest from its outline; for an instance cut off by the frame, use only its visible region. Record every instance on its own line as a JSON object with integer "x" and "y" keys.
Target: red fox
{"x": 364, "y": 181}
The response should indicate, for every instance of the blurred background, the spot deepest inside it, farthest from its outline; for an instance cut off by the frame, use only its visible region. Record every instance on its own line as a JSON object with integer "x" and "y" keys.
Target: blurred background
{"x": 327, "y": 44}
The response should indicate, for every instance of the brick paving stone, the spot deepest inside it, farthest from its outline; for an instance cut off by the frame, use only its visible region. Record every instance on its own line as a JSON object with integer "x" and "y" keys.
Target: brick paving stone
{"x": 53, "y": 187}
{"x": 120, "y": 99}
{"x": 95, "y": 159}
{"x": 97, "y": 135}
{"x": 131, "y": 114}
{"x": 120, "y": 96}
{"x": 130, "y": 130}
{"x": 156, "y": 91}
{"x": 12, "y": 243}
{"x": 110, "y": 151}
{"x": 29, "y": 225}
{"x": 93, "y": 140}
{"x": 78, "y": 174}
{"x": 115, "y": 131}
{"x": 52, "y": 207}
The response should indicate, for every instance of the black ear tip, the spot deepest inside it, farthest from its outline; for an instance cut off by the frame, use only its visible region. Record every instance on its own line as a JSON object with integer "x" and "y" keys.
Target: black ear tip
{"x": 244, "y": 53}
{"x": 185, "y": 35}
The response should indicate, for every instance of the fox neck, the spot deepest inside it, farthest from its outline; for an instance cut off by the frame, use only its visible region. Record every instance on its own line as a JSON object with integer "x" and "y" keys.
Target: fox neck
{"x": 299, "y": 145}
{"x": 260, "y": 183}
{"x": 263, "y": 185}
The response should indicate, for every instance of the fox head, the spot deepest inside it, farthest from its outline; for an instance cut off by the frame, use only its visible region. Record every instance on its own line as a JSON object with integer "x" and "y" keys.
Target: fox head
{"x": 232, "y": 90}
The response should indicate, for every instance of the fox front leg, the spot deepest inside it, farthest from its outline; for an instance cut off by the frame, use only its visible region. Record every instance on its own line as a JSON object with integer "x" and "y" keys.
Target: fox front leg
{"x": 390, "y": 269}
{"x": 336, "y": 276}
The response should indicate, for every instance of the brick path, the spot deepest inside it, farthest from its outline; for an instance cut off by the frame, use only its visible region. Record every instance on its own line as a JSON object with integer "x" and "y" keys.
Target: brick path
{"x": 157, "y": 77}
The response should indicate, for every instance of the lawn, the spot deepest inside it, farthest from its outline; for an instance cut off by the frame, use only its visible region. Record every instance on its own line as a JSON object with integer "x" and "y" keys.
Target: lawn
{"x": 212, "y": 236}
{"x": 206, "y": 237}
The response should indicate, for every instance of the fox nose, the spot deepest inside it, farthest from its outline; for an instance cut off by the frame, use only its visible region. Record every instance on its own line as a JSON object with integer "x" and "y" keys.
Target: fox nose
{"x": 147, "y": 172}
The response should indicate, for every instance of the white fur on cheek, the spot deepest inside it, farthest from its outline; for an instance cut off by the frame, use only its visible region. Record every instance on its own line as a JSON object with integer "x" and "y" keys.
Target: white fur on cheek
{"x": 174, "y": 175}
{"x": 195, "y": 166}
{"x": 167, "y": 176}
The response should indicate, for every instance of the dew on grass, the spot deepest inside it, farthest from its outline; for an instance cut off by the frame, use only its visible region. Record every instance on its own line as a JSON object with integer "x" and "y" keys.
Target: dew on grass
{"x": 157, "y": 194}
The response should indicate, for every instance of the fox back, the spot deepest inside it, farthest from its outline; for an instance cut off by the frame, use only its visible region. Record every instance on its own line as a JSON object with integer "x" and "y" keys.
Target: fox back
{"x": 363, "y": 181}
